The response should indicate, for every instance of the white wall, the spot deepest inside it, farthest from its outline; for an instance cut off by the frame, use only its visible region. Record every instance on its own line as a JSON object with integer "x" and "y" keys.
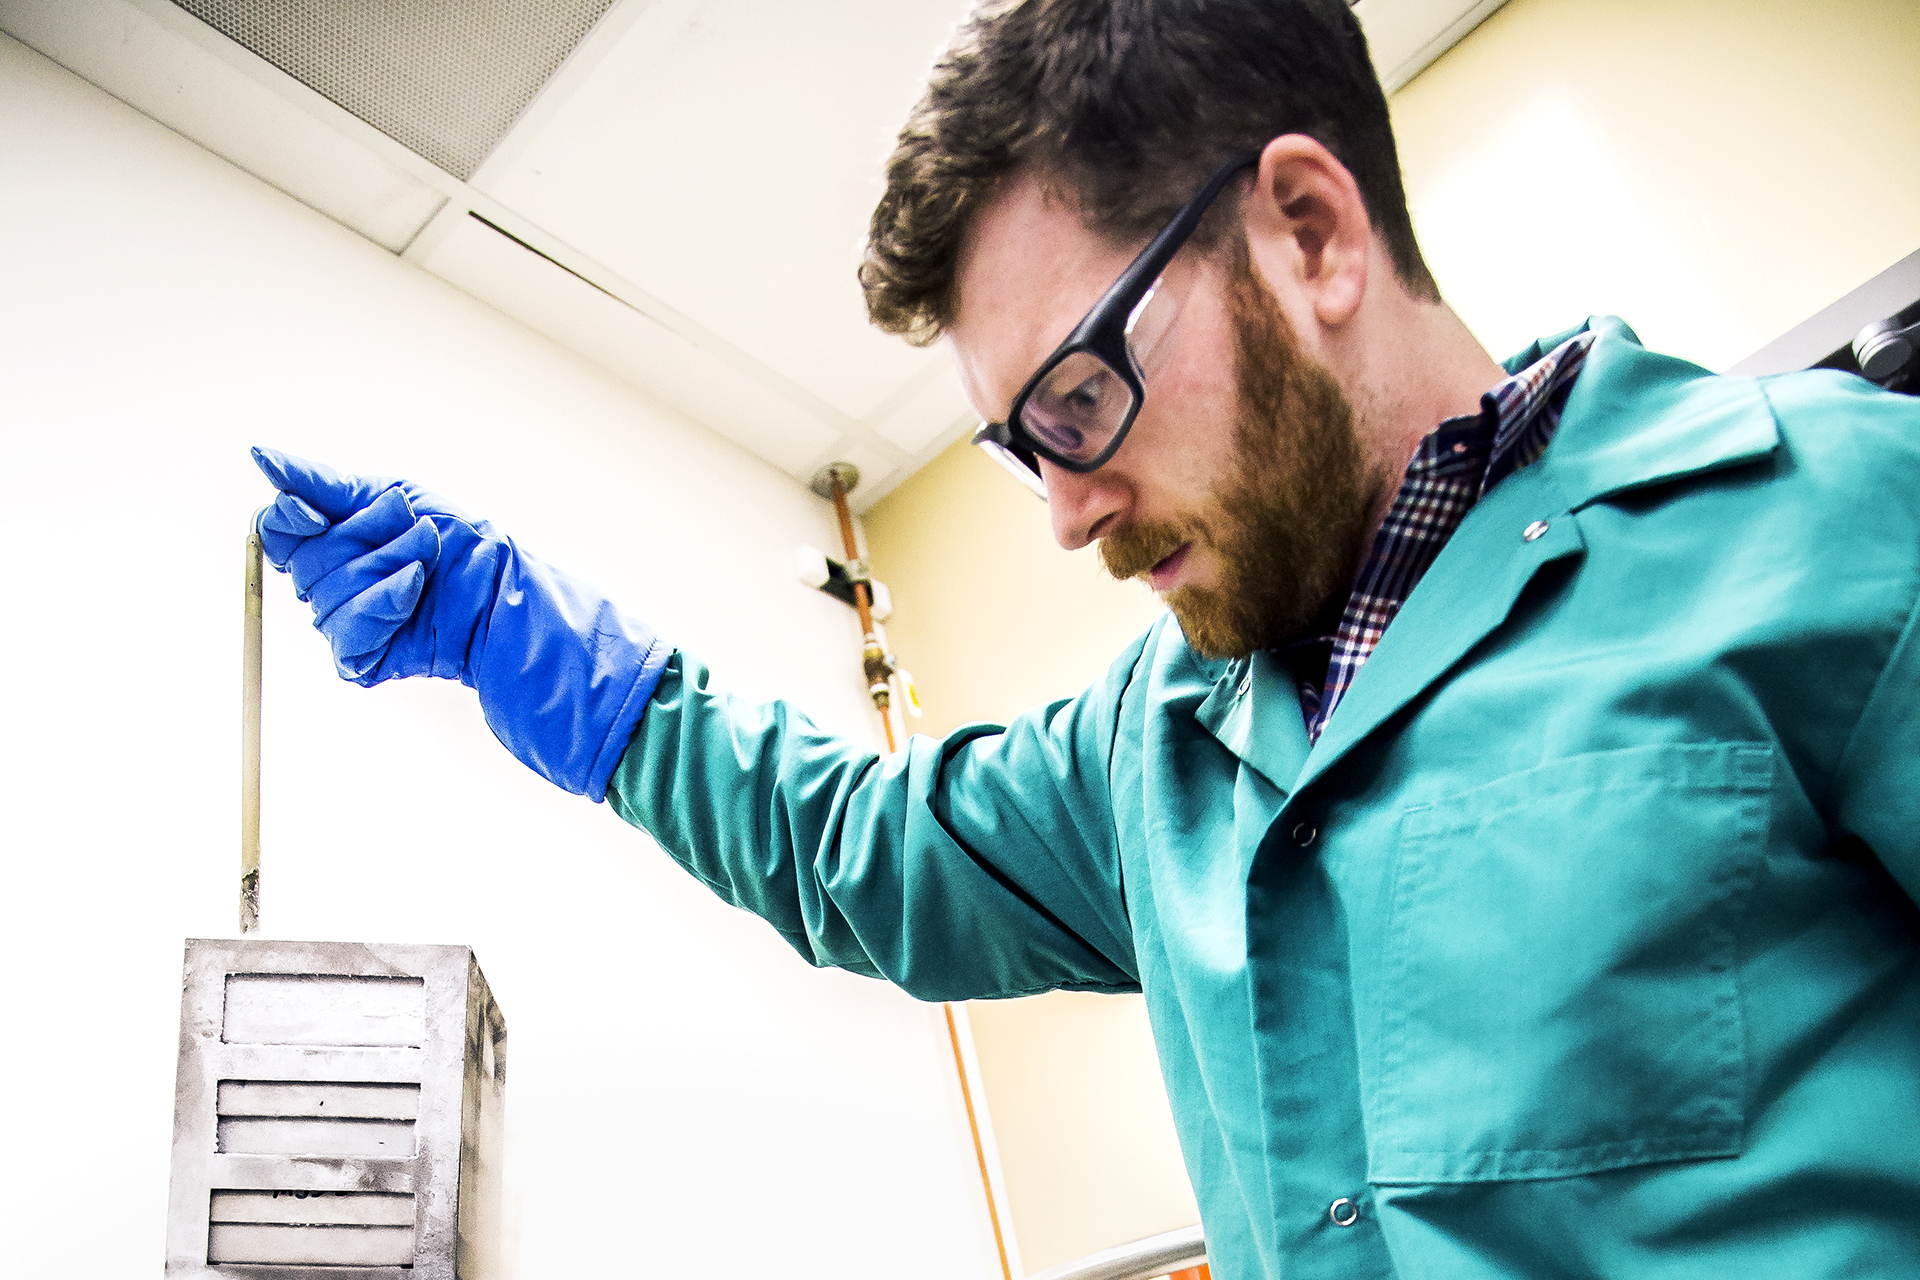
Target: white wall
{"x": 686, "y": 1097}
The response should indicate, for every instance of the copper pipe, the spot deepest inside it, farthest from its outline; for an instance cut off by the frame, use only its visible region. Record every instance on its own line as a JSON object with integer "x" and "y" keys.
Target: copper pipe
{"x": 979, "y": 1148}
{"x": 872, "y": 654}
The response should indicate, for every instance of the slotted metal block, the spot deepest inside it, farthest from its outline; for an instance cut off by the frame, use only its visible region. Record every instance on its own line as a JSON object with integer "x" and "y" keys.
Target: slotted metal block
{"x": 337, "y": 1113}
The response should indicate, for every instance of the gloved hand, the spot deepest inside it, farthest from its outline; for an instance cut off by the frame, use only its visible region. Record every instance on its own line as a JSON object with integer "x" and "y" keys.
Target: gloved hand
{"x": 403, "y": 583}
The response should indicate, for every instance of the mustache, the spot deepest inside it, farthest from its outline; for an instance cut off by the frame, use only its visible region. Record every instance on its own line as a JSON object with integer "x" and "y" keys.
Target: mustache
{"x": 1132, "y": 551}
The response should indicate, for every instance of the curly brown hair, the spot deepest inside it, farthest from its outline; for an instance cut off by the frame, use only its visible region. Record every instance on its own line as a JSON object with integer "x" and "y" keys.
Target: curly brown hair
{"x": 1126, "y": 106}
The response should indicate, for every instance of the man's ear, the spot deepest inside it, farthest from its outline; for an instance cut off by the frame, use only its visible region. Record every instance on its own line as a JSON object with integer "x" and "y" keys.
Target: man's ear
{"x": 1308, "y": 230}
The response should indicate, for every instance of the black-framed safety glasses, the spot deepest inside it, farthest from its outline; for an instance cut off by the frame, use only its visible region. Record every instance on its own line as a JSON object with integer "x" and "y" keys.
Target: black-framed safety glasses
{"x": 1077, "y": 408}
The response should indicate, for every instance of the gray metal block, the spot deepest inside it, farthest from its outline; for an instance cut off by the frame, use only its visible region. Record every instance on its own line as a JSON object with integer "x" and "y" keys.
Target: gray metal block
{"x": 337, "y": 1114}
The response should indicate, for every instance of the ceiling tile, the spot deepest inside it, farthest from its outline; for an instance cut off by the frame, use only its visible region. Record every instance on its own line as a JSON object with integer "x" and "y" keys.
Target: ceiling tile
{"x": 445, "y": 78}
{"x": 725, "y": 156}
{"x": 928, "y": 411}
{"x": 501, "y": 272}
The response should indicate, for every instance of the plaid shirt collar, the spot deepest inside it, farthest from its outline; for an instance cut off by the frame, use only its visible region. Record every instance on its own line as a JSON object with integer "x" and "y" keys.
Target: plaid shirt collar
{"x": 1456, "y": 463}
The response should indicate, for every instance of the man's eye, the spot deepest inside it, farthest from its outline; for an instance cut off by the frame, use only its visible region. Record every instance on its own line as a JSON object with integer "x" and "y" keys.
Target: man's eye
{"x": 1086, "y": 396}
{"x": 1076, "y": 406}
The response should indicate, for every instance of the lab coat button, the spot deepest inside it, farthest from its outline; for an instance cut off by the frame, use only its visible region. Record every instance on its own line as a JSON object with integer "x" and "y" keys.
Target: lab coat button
{"x": 1304, "y": 834}
{"x": 1533, "y": 530}
{"x": 1343, "y": 1212}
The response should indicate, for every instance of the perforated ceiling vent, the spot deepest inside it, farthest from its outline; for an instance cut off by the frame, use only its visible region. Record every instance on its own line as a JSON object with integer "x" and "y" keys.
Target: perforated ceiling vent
{"x": 446, "y": 78}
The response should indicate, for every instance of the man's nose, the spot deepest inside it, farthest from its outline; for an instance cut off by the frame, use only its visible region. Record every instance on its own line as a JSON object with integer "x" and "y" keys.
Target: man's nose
{"x": 1083, "y": 508}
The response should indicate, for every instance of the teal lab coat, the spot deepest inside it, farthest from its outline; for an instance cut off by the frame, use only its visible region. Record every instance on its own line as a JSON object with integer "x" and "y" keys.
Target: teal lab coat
{"x": 1583, "y": 942}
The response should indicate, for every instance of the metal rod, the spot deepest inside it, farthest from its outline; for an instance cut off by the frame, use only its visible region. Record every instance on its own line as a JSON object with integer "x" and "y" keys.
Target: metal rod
{"x": 863, "y": 602}
{"x": 250, "y": 666}
{"x": 1170, "y": 1252}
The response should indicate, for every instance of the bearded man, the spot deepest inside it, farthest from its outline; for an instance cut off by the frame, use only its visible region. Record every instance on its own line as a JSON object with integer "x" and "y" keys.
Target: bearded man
{"x": 1512, "y": 826}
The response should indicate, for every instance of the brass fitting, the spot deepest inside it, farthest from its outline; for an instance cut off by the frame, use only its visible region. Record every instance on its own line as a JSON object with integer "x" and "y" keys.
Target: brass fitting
{"x": 879, "y": 667}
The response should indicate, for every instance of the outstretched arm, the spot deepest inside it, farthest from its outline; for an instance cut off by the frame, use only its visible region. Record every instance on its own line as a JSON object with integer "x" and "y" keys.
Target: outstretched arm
{"x": 982, "y": 865}
{"x": 978, "y": 866}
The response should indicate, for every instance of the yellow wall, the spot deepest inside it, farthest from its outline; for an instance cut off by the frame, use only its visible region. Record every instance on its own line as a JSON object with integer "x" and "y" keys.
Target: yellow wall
{"x": 989, "y": 615}
{"x": 1713, "y": 170}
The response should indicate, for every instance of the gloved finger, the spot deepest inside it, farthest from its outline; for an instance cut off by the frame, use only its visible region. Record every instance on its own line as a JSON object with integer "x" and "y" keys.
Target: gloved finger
{"x": 418, "y": 545}
{"x": 360, "y": 630}
{"x": 285, "y": 524}
{"x": 334, "y": 495}
{"x": 386, "y": 519}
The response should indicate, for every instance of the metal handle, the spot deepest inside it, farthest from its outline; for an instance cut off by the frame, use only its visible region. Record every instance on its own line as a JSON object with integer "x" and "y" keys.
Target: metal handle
{"x": 1143, "y": 1259}
{"x": 1883, "y": 348}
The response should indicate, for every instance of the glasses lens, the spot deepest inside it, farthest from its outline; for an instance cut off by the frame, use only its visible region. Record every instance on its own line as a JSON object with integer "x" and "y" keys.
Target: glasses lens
{"x": 1150, "y": 326}
{"x": 1019, "y": 466}
{"x": 1079, "y": 406}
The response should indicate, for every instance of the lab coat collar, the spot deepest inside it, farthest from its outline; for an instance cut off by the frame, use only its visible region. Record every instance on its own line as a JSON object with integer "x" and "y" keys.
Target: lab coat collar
{"x": 1634, "y": 419}
{"x": 1254, "y": 710}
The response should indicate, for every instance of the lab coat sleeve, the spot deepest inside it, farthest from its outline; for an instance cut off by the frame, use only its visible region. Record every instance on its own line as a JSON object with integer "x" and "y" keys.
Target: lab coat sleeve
{"x": 1869, "y": 444}
{"x": 981, "y": 865}
{"x": 1877, "y": 790}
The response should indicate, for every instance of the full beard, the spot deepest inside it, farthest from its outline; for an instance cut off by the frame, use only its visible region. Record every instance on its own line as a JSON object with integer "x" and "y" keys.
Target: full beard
{"x": 1286, "y": 525}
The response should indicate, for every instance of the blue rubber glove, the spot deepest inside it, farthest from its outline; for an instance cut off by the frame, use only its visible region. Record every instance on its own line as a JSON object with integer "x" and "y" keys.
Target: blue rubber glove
{"x": 403, "y": 583}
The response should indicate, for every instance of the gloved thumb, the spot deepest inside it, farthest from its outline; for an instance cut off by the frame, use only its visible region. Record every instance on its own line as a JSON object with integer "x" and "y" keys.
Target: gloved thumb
{"x": 284, "y": 524}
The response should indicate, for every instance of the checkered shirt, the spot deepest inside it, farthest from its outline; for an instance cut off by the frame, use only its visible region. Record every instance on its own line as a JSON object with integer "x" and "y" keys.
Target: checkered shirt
{"x": 1457, "y": 462}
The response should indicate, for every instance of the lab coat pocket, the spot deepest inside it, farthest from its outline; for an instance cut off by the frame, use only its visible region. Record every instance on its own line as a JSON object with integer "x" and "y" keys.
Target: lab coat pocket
{"x": 1559, "y": 978}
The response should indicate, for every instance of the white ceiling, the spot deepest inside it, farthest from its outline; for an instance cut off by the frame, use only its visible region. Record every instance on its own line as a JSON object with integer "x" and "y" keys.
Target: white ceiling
{"x": 693, "y": 184}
